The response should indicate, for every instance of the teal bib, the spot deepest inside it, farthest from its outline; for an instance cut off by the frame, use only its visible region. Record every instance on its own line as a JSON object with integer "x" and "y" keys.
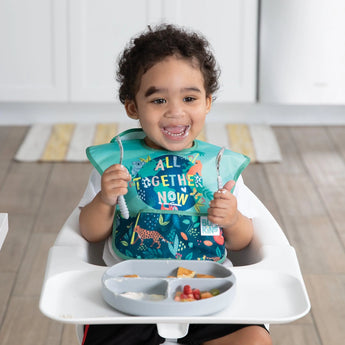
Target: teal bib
{"x": 167, "y": 198}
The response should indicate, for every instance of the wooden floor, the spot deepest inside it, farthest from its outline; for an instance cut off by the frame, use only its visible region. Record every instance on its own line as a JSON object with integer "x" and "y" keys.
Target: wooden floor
{"x": 305, "y": 193}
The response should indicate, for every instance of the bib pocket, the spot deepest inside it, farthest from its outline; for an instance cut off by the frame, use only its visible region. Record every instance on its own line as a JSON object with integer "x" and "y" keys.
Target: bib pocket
{"x": 163, "y": 234}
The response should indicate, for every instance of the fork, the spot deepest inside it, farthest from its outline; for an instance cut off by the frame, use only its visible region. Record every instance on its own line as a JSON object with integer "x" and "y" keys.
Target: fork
{"x": 218, "y": 158}
{"x": 121, "y": 200}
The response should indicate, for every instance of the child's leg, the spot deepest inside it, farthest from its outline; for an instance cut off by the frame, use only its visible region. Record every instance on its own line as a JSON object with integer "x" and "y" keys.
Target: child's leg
{"x": 121, "y": 334}
{"x": 226, "y": 334}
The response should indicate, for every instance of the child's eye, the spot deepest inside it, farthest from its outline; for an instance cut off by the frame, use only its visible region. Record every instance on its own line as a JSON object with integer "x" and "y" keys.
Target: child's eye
{"x": 189, "y": 99}
{"x": 159, "y": 101}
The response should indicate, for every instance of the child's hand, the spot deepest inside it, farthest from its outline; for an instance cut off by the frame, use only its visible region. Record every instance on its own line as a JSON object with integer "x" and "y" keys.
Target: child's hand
{"x": 114, "y": 182}
{"x": 223, "y": 208}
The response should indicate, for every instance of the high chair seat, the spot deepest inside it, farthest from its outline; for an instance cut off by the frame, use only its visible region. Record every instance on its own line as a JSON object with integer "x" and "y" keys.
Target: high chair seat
{"x": 270, "y": 287}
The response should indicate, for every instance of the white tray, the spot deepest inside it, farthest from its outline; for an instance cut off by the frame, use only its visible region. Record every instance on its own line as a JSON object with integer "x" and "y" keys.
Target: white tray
{"x": 72, "y": 293}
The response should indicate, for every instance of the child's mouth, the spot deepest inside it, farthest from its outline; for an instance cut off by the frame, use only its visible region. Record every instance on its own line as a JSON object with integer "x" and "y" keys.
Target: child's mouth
{"x": 176, "y": 131}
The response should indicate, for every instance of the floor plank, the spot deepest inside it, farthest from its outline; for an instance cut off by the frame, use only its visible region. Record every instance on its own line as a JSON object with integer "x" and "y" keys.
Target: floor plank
{"x": 296, "y": 334}
{"x": 327, "y": 293}
{"x": 69, "y": 335}
{"x": 57, "y": 201}
{"x": 324, "y": 160}
{"x": 31, "y": 272}
{"x": 10, "y": 140}
{"x": 304, "y": 215}
{"x": 23, "y": 188}
{"x": 24, "y": 324}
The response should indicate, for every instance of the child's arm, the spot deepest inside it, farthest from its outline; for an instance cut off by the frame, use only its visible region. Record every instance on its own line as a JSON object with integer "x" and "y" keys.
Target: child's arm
{"x": 237, "y": 228}
{"x": 96, "y": 218}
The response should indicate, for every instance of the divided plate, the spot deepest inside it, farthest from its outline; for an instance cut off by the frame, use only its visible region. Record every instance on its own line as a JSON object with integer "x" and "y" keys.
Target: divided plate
{"x": 155, "y": 278}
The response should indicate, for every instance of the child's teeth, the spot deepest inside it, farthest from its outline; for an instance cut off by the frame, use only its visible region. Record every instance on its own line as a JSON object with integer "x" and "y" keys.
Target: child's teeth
{"x": 176, "y": 132}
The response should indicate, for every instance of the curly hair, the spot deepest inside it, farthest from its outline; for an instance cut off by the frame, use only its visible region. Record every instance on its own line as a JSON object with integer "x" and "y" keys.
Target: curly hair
{"x": 152, "y": 46}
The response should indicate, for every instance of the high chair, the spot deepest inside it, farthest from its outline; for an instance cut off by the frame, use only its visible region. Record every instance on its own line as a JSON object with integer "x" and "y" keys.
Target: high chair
{"x": 270, "y": 287}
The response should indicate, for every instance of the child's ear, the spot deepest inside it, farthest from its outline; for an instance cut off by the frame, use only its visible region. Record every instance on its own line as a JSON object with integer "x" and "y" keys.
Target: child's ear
{"x": 131, "y": 109}
{"x": 208, "y": 103}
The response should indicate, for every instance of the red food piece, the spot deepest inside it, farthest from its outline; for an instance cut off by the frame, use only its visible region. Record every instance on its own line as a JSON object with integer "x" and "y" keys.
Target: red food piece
{"x": 183, "y": 296}
{"x": 187, "y": 290}
{"x": 196, "y": 294}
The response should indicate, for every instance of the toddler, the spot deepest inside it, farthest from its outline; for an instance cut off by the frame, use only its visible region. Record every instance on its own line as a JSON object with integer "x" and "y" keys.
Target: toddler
{"x": 168, "y": 77}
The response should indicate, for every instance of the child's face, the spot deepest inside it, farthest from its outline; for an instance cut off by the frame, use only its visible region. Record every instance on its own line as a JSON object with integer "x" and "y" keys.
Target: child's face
{"x": 171, "y": 104}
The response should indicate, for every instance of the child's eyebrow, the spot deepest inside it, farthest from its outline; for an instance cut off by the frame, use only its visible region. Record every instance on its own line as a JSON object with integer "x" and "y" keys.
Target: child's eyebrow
{"x": 151, "y": 90}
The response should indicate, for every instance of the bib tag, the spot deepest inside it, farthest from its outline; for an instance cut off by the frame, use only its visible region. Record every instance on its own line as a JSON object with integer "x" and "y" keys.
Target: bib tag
{"x": 208, "y": 228}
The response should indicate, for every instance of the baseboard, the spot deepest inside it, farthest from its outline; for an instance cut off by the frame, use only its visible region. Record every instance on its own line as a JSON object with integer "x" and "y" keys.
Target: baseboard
{"x": 30, "y": 113}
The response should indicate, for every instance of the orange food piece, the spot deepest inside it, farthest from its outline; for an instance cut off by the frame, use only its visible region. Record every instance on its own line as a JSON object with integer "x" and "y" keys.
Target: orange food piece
{"x": 206, "y": 294}
{"x": 131, "y": 276}
{"x": 185, "y": 273}
{"x": 200, "y": 275}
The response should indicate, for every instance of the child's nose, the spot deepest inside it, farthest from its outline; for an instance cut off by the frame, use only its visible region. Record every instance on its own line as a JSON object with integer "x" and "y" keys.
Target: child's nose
{"x": 175, "y": 109}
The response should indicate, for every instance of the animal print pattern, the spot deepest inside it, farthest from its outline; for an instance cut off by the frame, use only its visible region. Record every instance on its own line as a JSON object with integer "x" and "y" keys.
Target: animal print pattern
{"x": 143, "y": 234}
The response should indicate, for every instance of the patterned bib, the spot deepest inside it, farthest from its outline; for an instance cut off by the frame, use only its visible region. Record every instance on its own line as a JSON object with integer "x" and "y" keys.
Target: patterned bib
{"x": 168, "y": 198}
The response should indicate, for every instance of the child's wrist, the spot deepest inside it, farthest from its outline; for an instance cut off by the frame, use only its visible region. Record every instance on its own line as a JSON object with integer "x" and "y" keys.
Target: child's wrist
{"x": 104, "y": 202}
{"x": 233, "y": 225}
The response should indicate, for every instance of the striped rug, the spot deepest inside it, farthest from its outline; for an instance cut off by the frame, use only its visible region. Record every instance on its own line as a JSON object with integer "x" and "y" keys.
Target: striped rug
{"x": 66, "y": 142}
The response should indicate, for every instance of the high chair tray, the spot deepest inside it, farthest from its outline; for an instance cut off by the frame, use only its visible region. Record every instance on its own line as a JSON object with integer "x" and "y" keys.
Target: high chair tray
{"x": 149, "y": 287}
{"x": 271, "y": 291}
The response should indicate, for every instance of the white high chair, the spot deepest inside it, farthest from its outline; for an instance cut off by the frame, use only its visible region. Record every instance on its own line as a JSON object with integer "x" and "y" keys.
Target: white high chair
{"x": 270, "y": 287}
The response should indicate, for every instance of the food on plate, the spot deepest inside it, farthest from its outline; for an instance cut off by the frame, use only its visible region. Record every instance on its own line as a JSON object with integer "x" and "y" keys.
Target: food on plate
{"x": 185, "y": 273}
{"x": 182, "y": 272}
{"x": 188, "y": 294}
{"x": 200, "y": 275}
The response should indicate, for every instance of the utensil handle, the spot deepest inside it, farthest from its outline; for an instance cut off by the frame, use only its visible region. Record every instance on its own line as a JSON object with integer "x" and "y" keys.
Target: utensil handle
{"x": 123, "y": 207}
{"x": 219, "y": 182}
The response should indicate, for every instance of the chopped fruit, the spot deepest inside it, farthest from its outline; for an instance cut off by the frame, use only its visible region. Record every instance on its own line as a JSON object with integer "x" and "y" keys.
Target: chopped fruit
{"x": 215, "y": 292}
{"x": 131, "y": 276}
{"x": 196, "y": 294}
{"x": 188, "y": 294}
{"x": 187, "y": 289}
{"x": 183, "y": 296}
{"x": 185, "y": 273}
{"x": 206, "y": 294}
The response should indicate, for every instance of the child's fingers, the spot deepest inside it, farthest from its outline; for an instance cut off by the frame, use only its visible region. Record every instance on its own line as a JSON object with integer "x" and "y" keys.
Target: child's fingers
{"x": 116, "y": 171}
{"x": 229, "y": 185}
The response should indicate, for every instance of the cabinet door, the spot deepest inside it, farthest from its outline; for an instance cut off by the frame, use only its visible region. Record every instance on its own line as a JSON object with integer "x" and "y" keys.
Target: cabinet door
{"x": 231, "y": 28}
{"x": 302, "y": 52}
{"x": 33, "y": 59}
{"x": 99, "y": 31}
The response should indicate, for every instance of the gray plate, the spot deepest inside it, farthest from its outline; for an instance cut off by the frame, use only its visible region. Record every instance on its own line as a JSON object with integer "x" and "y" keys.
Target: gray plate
{"x": 153, "y": 280}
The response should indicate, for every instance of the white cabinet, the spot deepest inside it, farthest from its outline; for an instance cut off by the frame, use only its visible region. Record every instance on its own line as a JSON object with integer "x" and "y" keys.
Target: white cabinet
{"x": 302, "y": 52}
{"x": 66, "y": 50}
{"x": 33, "y": 45}
{"x": 100, "y": 29}
{"x": 231, "y": 27}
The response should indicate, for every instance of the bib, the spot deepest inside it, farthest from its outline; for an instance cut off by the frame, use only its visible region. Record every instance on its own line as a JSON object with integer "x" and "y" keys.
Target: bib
{"x": 167, "y": 198}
